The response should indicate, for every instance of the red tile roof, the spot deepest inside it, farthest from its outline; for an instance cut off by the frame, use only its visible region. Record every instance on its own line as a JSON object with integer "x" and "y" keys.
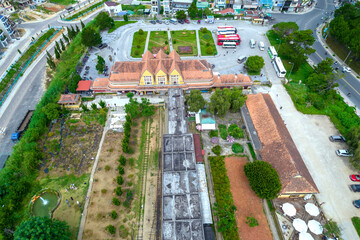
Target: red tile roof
{"x": 83, "y": 85}
{"x": 198, "y": 150}
{"x": 69, "y": 98}
{"x": 278, "y": 147}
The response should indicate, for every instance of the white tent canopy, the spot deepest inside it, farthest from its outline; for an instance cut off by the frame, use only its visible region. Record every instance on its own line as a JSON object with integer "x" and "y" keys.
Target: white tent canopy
{"x": 289, "y": 209}
{"x": 300, "y": 225}
{"x": 305, "y": 236}
{"x": 312, "y": 209}
{"x": 315, "y": 227}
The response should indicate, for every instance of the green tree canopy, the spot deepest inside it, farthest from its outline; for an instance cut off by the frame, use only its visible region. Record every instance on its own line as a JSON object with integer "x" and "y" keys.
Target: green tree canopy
{"x": 42, "y": 228}
{"x": 285, "y": 28}
{"x": 104, "y": 21}
{"x": 146, "y": 109}
{"x": 180, "y": 15}
{"x": 226, "y": 99}
{"x": 52, "y": 111}
{"x": 90, "y": 37}
{"x": 195, "y": 101}
{"x": 263, "y": 179}
{"x": 100, "y": 64}
{"x": 254, "y": 63}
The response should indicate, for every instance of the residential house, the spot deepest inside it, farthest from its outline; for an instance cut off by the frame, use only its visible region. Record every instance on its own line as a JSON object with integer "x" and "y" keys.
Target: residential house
{"x": 157, "y": 73}
{"x": 84, "y": 87}
{"x": 167, "y": 7}
{"x": 250, "y": 4}
{"x": 221, "y": 4}
{"x": 112, "y": 8}
{"x": 7, "y": 6}
{"x": 266, "y": 4}
{"x": 71, "y": 101}
{"x": 206, "y": 120}
{"x": 7, "y": 26}
{"x": 227, "y": 11}
{"x": 202, "y": 4}
{"x": 155, "y": 6}
{"x": 278, "y": 148}
{"x": 178, "y": 5}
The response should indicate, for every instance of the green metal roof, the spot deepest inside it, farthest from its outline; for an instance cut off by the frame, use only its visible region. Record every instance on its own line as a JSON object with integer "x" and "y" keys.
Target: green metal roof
{"x": 202, "y": 4}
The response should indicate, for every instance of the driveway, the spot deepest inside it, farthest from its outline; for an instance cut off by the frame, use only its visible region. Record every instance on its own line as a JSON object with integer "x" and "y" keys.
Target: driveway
{"x": 330, "y": 172}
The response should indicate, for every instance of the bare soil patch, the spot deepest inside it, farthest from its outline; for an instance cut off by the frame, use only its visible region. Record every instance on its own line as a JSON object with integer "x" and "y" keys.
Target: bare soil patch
{"x": 246, "y": 201}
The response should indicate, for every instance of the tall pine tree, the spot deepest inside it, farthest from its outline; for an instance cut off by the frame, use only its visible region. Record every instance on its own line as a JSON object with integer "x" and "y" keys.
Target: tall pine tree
{"x": 51, "y": 63}
{"x": 62, "y": 45}
{"x": 66, "y": 38}
{"x": 57, "y": 54}
{"x": 57, "y": 47}
{"x": 82, "y": 24}
{"x": 77, "y": 29}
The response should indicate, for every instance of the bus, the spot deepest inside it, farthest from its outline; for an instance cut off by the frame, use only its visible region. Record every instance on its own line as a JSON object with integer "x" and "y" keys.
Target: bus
{"x": 228, "y": 38}
{"x": 229, "y": 45}
{"x": 272, "y": 52}
{"x": 224, "y": 30}
{"x": 279, "y": 67}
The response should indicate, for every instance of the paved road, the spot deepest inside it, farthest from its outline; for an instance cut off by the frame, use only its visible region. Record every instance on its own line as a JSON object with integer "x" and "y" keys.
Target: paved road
{"x": 324, "y": 8}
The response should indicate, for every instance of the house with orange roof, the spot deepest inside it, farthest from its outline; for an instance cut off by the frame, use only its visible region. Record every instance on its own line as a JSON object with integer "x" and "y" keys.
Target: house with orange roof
{"x": 278, "y": 148}
{"x": 159, "y": 72}
{"x": 71, "y": 101}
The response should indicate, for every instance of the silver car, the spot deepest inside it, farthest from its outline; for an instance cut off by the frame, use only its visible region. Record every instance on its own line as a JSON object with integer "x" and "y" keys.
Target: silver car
{"x": 344, "y": 153}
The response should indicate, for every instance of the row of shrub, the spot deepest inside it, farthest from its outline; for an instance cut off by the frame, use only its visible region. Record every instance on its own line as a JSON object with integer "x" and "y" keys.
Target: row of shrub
{"x": 127, "y": 131}
{"x": 18, "y": 178}
{"x": 19, "y": 65}
{"x": 233, "y": 131}
{"x": 225, "y": 208}
{"x": 92, "y": 7}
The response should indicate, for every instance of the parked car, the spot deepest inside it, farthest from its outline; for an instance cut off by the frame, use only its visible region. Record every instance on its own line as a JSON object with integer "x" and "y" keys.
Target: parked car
{"x": 152, "y": 21}
{"x": 173, "y": 21}
{"x": 355, "y": 187}
{"x": 355, "y": 178}
{"x": 101, "y": 46}
{"x": 212, "y": 66}
{"x": 181, "y": 21}
{"x": 159, "y": 21}
{"x": 337, "y": 138}
{"x": 357, "y": 203}
{"x": 241, "y": 59}
{"x": 346, "y": 69}
{"x": 187, "y": 20}
{"x": 166, "y": 22}
{"x": 344, "y": 153}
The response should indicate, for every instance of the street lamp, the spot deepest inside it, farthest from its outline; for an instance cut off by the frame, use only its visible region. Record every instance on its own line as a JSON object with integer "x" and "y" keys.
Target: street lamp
{"x": 291, "y": 68}
{"x": 347, "y": 56}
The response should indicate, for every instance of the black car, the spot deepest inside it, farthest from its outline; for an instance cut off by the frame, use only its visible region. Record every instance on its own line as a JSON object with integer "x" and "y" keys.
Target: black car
{"x": 159, "y": 21}
{"x": 355, "y": 187}
{"x": 337, "y": 138}
{"x": 153, "y": 22}
{"x": 181, "y": 21}
{"x": 357, "y": 203}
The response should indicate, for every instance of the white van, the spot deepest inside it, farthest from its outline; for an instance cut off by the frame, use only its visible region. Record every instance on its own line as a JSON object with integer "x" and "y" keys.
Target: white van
{"x": 261, "y": 46}
{"x": 173, "y": 21}
{"x": 252, "y": 43}
{"x": 241, "y": 59}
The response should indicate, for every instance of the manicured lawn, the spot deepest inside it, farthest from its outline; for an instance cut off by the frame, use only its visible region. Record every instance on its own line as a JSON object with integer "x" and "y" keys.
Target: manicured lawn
{"x": 119, "y": 24}
{"x": 158, "y": 39}
{"x": 138, "y": 44}
{"x": 341, "y": 51}
{"x": 304, "y": 71}
{"x": 206, "y": 41}
{"x": 356, "y": 223}
{"x": 184, "y": 38}
{"x": 63, "y": 2}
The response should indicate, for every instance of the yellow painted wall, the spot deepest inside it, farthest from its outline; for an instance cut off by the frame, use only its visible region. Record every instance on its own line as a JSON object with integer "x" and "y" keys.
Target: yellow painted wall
{"x": 175, "y": 72}
{"x": 146, "y": 73}
{"x": 161, "y": 74}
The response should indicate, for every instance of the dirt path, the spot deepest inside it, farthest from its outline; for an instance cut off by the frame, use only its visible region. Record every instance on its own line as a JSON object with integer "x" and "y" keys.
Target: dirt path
{"x": 246, "y": 201}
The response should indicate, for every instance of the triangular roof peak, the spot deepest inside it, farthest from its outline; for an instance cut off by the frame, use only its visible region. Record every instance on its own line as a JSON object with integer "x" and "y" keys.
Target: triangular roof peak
{"x": 147, "y": 55}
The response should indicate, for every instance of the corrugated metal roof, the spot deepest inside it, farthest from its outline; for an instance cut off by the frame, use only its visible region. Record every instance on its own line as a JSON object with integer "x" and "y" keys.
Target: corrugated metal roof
{"x": 204, "y": 195}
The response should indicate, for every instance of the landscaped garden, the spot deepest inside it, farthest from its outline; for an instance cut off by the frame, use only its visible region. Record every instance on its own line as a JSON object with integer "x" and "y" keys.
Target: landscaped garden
{"x": 138, "y": 44}
{"x": 207, "y": 44}
{"x": 85, "y": 11}
{"x": 159, "y": 40}
{"x": 184, "y": 42}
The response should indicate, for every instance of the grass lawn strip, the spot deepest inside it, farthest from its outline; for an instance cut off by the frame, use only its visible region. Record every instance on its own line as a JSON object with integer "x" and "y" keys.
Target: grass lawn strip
{"x": 184, "y": 38}
{"x": 119, "y": 24}
{"x": 206, "y": 39}
{"x": 138, "y": 44}
{"x": 356, "y": 223}
{"x": 25, "y": 60}
{"x": 158, "y": 39}
{"x": 85, "y": 11}
{"x": 246, "y": 201}
{"x": 63, "y": 2}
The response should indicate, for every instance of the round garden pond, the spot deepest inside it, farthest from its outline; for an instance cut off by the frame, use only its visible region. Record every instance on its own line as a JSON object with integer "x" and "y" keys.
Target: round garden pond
{"x": 44, "y": 203}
